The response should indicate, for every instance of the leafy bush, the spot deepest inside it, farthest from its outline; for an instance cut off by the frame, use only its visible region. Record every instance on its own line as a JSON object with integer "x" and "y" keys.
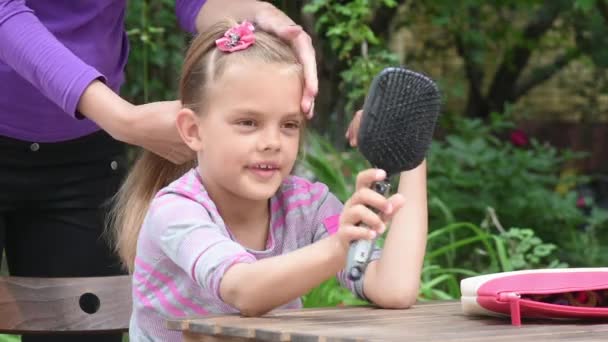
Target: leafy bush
{"x": 477, "y": 167}
{"x": 157, "y": 48}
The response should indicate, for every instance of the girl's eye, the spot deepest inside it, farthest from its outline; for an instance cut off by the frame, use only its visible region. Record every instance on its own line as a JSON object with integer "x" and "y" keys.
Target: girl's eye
{"x": 247, "y": 123}
{"x": 292, "y": 125}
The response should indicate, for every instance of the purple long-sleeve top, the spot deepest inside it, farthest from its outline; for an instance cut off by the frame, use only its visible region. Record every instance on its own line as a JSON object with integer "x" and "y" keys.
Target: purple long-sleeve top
{"x": 50, "y": 51}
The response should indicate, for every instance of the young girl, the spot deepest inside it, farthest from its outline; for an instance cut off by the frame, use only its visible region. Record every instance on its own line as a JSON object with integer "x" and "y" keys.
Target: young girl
{"x": 235, "y": 232}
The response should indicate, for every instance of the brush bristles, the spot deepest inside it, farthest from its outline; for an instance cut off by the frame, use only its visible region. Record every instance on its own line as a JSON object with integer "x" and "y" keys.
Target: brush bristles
{"x": 399, "y": 119}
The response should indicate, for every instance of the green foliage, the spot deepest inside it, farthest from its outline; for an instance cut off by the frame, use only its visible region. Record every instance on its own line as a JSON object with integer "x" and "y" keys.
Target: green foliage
{"x": 527, "y": 251}
{"x": 156, "y": 51}
{"x": 584, "y": 5}
{"x": 507, "y": 47}
{"x": 592, "y": 32}
{"x": 328, "y": 165}
{"x": 346, "y": 25}
{"x": 476, "y": 167}
{"x": 330, "y": 293}
{"x": 357, "y": 79}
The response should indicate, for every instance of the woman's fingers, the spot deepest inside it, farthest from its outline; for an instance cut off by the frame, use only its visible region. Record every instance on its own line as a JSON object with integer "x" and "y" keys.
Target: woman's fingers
{"x": 274, "y": 20}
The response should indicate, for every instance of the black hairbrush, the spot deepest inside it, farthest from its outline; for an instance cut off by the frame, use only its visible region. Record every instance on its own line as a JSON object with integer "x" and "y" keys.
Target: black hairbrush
{"x": 399, "y": 117}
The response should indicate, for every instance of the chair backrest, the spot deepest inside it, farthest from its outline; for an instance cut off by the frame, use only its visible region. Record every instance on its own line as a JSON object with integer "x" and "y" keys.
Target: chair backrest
{"x": 64, "y": 305}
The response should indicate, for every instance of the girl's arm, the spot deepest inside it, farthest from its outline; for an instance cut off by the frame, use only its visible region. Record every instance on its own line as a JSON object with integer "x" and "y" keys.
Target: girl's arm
{"x": 259, "y": 287}
{"x": 263, "y": 285}
{"x": 394, "y": 279}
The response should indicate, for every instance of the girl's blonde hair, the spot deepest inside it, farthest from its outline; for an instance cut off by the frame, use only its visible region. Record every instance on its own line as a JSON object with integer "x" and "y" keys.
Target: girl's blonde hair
{"x": 204, "y": 63}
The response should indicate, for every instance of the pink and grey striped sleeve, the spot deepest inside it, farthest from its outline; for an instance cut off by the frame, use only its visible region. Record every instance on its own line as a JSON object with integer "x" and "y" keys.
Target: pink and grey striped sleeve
{"x": 326, "y": 223}
{"x": 195, "y": 243}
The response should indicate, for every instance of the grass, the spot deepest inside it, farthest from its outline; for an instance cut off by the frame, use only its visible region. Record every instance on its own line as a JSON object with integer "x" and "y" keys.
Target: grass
{"x": 9, "y": 338}
{"x": 4, "y": 272}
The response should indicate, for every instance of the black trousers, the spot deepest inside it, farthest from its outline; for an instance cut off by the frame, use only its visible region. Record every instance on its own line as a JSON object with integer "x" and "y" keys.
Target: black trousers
{"x": 53, "y": 203}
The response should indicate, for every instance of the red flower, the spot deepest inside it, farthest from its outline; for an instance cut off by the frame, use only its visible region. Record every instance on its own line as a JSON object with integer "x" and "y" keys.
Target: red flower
{"x": 580, "y": 202}
{"x": 518, "y": 138}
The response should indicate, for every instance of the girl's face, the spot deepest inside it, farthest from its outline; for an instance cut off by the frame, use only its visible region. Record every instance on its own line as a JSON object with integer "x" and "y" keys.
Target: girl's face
{"x": 250, "y": 131}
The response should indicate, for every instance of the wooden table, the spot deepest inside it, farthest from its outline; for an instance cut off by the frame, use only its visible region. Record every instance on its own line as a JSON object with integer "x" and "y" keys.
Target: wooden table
{"x": 435, "y": 321}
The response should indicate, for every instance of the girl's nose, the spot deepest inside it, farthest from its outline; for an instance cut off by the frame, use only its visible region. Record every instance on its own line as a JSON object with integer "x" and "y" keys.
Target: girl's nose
{"x": 270, "y": 140}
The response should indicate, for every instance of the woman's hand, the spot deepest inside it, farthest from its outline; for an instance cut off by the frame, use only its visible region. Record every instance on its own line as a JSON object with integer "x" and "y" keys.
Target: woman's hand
{"x": 151, "y": 126}
{"x": 272, "y": 19}
{"x": 358, "y": 209}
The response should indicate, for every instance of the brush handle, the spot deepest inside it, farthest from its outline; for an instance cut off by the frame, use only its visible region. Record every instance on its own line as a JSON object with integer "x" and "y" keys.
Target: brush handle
{"x": 360, "y": 251}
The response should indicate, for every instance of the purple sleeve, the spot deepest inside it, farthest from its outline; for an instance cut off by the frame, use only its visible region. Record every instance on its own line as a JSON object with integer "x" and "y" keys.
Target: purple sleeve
{"x": 327, "y": 223}
{"x": 37, "y": 56}
{"x": 186, "y": 12}
{"x": 195, "y": 243}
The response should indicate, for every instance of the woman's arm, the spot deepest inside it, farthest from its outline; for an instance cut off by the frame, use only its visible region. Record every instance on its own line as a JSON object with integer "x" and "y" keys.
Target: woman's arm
{"x": 393, "y": 280}
{"x": 34, "y": 53}
{"x": 151, "y": 125}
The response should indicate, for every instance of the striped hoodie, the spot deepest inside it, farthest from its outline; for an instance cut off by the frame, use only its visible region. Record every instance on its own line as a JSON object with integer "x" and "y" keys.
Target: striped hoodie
{"x": 184, "y": 249}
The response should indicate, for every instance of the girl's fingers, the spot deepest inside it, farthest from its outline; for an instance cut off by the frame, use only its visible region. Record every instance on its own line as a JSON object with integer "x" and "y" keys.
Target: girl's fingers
{"x": 395, "y": 202}
{"x": 351, "y": 233}
{"x": 359, "y": 214}
{"x": 353, "y": 129}
{"x": 367, "y": 177}
{"x": 372, "y": 199}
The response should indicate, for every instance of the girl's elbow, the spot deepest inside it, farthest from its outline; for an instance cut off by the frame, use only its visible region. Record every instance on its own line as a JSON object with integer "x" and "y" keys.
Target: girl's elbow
{"x": 250, "y": 308}
{"x": 396, "y": 302}
{"x": 397, "y": 299}
{"x": 251, "y": 312}
{"x": 404, "y": 302}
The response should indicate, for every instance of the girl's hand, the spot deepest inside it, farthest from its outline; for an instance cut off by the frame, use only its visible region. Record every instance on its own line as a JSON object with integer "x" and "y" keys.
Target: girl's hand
{"x": 353, "y": 128}
{"x": 357, "y": 211}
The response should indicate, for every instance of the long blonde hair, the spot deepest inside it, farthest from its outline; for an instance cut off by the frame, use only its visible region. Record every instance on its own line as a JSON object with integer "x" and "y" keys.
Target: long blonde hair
{"x": 203, "y": 64}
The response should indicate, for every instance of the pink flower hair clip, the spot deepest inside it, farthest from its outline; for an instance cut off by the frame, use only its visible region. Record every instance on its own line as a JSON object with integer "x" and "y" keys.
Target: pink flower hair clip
{"x": 237, "y": 38}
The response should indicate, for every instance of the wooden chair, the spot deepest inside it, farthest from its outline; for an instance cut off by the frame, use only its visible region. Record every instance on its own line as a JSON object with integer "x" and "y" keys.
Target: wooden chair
{"x": 65, "y": 305}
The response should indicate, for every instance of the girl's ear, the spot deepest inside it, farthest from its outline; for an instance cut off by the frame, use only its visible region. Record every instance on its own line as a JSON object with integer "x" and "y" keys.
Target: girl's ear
{"x": 188, "y": 127}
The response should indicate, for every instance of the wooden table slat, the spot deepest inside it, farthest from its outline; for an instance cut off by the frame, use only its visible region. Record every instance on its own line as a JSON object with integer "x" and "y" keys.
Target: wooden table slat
{"x": 441, "y": 321}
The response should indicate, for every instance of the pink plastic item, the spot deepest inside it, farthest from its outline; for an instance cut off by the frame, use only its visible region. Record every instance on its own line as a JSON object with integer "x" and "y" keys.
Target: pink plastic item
{"x": 575, "y": 293}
